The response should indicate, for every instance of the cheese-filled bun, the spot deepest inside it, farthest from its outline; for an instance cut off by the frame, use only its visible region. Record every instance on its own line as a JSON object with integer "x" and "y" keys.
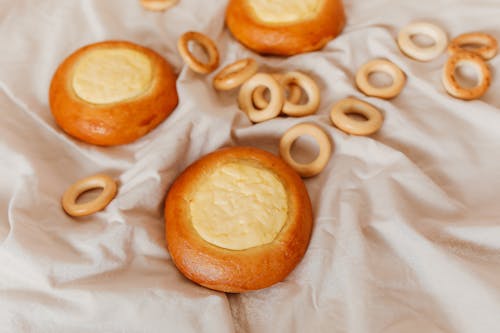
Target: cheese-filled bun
{"x": 285, "y": 27}
{"x": 238, "y": 219}
{"x": 112, "y": 92}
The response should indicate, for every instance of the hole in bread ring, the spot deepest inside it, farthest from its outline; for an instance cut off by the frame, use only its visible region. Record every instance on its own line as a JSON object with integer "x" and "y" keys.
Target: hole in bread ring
{"x": 451, "y": 83}
{"x": 411, "y": 49}
{"x": 293, "y": 93}
{"x": 380, "y": 65}
{"x": 275, "y": 104}
{"x": 235, "y": 74}
{"x": 476, "y": 42}
{"x": 70, "y": 197}
{"x": 369, "y": 122}
{"x": 208, "y": 46}
{"x": 325, "y": 149}
{"x": 158, "y": 5}
{"x": 311, "y": 90}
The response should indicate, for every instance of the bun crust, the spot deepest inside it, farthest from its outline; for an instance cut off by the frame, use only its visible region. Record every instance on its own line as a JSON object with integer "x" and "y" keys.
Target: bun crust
{"x": 118, "y": 122}
{"x": 237, "y": 270}
{"x": 285, "y": 38}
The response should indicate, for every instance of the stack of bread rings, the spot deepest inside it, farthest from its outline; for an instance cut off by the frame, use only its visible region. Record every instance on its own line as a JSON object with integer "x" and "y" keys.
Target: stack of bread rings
{"x": 486, "y": 49}
{"x": 483, "y": 47}
{"x": 251, "y": 98}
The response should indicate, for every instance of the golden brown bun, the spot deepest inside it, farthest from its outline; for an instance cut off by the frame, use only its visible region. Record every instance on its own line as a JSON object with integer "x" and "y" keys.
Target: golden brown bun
{"x": 286, "y": 38}
{"x": 113, "y": 123}
{"x": 237, "y": 270}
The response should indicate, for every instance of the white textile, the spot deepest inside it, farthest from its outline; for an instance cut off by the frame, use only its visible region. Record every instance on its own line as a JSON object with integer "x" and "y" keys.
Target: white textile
{"x": 406, "y": 232}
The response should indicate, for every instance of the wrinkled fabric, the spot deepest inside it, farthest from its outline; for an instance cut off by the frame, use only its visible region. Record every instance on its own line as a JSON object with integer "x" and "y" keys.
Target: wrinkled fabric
{"x": 406, "y": 233}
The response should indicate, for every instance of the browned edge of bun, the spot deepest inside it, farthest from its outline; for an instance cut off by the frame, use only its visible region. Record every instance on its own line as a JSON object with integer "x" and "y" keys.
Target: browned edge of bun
{"x": 237, "y": 270}
{"x": 288, "y": 38}
{"x": 114, "y": 123}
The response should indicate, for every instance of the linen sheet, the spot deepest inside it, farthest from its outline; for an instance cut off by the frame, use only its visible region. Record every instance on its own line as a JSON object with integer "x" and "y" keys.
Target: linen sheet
{"x": 406, "y": 233}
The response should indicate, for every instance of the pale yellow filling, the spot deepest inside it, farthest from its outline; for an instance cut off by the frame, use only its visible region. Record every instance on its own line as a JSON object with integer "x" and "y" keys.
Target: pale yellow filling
{"x": 239, "y": 206}
{"x": 109, "y": 76}
{"x": 285, "y": 11}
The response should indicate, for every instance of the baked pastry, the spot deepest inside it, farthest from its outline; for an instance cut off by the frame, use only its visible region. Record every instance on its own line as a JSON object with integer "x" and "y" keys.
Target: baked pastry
{"x": 285, "y": 27}
{"x": 112, "y": 92}
{"x": 238, "y": 219}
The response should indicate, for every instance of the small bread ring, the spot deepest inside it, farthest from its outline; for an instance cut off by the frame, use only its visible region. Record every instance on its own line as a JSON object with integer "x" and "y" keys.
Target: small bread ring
{"x": 487, "y": 44}
{"x": 69, "y": 197}
{"x": 294, "y": 93}
{"x": 380, "y": 65}
{"x": 339, "y": 115}
{"x": 451, "y": 84}
{"x": 414, "y": 51}
{"x": 310, "y": 88}
{"x": 325, "y": 149}
{"x": 158, "y": 5}
{"x": 276, "y": 100}
{"x": 235, "y": 74}
{"x": 188, "y": 57}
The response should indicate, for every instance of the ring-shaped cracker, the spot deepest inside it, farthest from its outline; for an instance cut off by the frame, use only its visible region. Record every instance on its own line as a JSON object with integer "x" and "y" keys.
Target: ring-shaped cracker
{"x": 408, "y": 46}
{"x": 208, "y": 46}
{"x": 245, "y": 100}
{"x": 293, "y": 93}
{"x": 310, "y": 88}
{"x": 325, "y": 149}
{"x": 451, "y": 84}
{"x": 71, "y": 195}
{"x": 235, "y": 74}
{"x": 385, "y": 66}
{"x": 487, "y": 45}
{"x": 339, "y": 115}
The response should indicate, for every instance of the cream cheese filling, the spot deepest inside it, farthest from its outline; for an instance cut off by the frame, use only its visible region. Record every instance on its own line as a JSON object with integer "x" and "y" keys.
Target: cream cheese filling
{"x": 111, "y": 75}
{"x": 285, "y": 11}
{"x": 239, "y": 206}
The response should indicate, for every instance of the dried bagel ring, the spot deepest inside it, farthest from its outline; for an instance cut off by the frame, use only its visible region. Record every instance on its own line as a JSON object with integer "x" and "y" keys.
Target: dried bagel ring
{"x": 325, "y": 149}
{"x": 276, "y": 101}
{"x": 408, "y": 46}
{"x": 451, "y": 84}
{"x": 69, "y": 197}
{"x": 339, "y": 115}
{"x": 208, "y": 46}
{"x": 310, "y": 88}
{"x": 158, "y": 5}
{"x": 235, "y": 74}
{"x": 385, "y": 66}
{"x": 294, "y": 93}
{"x": 487, "y": 45}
